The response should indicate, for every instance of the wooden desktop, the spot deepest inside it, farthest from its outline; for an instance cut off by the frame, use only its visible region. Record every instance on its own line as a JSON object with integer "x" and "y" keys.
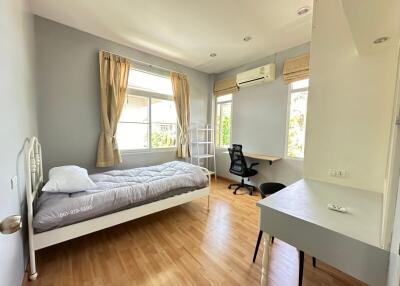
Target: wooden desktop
{"x": 262, "y": 157}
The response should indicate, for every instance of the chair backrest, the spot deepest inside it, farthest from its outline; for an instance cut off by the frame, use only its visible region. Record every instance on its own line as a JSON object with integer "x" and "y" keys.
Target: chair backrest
{"x": 238, "y": 161}
{"x": 270, "y": 188}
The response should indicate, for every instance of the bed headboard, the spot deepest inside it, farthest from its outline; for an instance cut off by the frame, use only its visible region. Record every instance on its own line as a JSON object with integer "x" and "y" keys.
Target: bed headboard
{"x": 33, "y": 171}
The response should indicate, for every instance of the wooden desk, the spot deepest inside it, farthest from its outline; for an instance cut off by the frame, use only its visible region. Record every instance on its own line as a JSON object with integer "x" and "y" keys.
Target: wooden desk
{"x": 262, "y": 157}
{"x": 349, "y": 241}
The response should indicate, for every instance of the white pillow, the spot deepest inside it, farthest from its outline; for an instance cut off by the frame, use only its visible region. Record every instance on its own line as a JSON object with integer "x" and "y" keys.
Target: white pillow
{"x": 68, "y": 179}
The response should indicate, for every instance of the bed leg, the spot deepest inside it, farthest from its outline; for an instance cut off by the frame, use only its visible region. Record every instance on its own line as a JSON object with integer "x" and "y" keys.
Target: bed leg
{"x": 208, "y": 203}
{"x": 32, "y": 263}
{"x": 33, "y": 276}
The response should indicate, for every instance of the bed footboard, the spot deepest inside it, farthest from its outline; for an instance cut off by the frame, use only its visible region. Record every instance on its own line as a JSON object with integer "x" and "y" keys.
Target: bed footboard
{"x": 207, "y": 172}
{"x": 33, "y": 184}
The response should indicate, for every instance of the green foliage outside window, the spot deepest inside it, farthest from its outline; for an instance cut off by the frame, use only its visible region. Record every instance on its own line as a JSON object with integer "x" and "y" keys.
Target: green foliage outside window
{"x": 162, "y": 139}
{"x": 297, "y": 122}
{"x": 223, "y": 120}
{"x": 226, "y": 131}
{"x": 296, "y": 146}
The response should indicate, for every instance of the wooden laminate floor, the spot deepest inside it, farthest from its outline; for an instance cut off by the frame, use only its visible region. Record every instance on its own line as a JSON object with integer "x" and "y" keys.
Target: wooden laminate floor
{"x": 185, "y": 245}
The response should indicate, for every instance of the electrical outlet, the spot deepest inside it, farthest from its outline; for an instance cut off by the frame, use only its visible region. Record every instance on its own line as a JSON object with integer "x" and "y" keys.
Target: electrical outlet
{"x": 14, "y": 183}
{"x": 339, "y": 173}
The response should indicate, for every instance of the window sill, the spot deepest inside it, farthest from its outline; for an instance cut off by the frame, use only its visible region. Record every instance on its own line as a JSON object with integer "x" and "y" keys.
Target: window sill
{"x": 147, "y": 151}
{"x": 221, "y": 148}
{"x": 294, "y": 158}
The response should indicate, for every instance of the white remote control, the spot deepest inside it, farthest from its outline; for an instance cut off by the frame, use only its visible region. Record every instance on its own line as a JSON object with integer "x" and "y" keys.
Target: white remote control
{"x": 337, "y": 208}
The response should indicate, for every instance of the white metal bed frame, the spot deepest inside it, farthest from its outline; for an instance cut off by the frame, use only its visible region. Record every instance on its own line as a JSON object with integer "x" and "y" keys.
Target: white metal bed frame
{"x": 34, "y": 182}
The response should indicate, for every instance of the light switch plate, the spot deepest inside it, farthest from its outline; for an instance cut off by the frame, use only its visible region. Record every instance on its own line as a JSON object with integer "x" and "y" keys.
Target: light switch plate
{"x": 339, "y": 173}
{"x": 14, "y": 183}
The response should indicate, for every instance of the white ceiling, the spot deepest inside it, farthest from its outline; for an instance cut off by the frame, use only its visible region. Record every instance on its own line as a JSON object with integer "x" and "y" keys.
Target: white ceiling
{"x": 375, "y": 19}
{"x": 188, "y": 31}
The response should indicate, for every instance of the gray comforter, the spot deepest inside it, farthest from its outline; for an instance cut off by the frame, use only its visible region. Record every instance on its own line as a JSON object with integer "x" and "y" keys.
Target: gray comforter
{"x": 117, "y": 190}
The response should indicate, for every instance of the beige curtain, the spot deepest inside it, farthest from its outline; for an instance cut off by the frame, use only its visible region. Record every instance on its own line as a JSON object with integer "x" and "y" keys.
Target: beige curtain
{"x": 296, "y": 68}
{"x": 225, "y": 86}
{"x": 114, "y": 72}
{"x": 180, "y": 89}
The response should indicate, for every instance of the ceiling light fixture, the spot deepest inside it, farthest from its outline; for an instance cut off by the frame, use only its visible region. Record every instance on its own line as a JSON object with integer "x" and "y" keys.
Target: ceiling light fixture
{"x": 381, "y": 40}
{"x": 213, "y": 55}
{"x": 303, "y": 10}
{"x": 247, "y": 38}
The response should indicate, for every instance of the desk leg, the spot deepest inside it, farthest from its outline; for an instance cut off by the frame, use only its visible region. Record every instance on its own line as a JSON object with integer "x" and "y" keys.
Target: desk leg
{"x": 265, "y": 260}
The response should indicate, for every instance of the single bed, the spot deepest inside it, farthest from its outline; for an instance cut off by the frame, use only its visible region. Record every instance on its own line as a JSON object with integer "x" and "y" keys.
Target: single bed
{"x": 119, "y": 196}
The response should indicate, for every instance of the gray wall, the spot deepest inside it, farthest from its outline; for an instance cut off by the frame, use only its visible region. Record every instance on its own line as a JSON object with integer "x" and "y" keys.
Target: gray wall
{"x": 18, "y": 118}
{"x": 68, "y": 95}
{"x": 259, "y": 122}
{"x": 69, "y": 121}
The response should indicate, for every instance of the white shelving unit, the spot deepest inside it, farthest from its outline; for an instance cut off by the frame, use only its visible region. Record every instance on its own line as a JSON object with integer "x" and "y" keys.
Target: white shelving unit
{"x": 203, "y": 148}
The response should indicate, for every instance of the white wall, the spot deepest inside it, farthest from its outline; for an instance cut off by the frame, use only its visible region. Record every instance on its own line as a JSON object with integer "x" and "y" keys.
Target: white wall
{"x": 259, "y": 122}
{"x": 68, "y": 95}
{"x": 394, "y": 265}
{"x": 18, "y": 118}
{"x": 350, "y": 104}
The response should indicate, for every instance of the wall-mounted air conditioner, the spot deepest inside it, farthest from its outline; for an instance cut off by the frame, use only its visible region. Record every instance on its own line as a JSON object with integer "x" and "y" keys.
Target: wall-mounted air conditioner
{"x": 258, "y": 75}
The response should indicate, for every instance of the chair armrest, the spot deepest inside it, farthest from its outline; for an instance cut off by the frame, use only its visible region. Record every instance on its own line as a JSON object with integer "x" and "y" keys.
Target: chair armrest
{"x": 253, "y": 164}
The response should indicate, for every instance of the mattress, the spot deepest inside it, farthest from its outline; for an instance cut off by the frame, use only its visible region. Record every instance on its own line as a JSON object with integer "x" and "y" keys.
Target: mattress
{"x": 117, "y": 190}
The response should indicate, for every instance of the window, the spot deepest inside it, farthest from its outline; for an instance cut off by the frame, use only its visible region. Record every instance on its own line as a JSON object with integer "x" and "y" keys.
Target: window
{"x": 150, "y": 82}
{"x": 223, "y": 120}
{"x": 297, "y": 112}
{"x": 163, "y": 123}
{"x": 133, "y": 126}
{"x": 148, "y": 119}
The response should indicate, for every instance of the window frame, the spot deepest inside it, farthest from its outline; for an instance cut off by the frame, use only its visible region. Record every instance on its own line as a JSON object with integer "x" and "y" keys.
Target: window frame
{"x": 162, "y": 75}
{"x": 217, "y": 146}
{"x": 290, "y": 91}
{"x": 150, "y": 95}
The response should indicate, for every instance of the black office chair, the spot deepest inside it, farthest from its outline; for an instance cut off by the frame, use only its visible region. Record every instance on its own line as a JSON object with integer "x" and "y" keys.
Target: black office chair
{"x": 239, "y": 167}
{"x": 269, "y": 189}
{"x": 266, "y": 189}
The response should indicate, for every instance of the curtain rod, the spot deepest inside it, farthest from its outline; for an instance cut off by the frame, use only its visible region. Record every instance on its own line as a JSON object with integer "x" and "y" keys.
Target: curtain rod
{"x": 142, "y": 62}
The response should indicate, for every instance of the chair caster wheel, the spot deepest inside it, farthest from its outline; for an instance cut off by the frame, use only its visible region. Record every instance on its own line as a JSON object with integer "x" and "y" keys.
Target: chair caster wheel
{"x": 229, "y": 187}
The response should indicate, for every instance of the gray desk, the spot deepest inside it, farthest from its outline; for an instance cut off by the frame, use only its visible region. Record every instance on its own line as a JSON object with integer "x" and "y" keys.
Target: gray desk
{"x": 350, "y": 242}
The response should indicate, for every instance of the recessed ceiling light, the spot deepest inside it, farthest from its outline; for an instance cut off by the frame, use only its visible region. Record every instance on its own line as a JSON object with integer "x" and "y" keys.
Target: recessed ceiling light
{"x": 247, "y": 38}
{"x": 303, "y": 10}
{"x": 381, "y": 40}
{"x": 213, "y": 55}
